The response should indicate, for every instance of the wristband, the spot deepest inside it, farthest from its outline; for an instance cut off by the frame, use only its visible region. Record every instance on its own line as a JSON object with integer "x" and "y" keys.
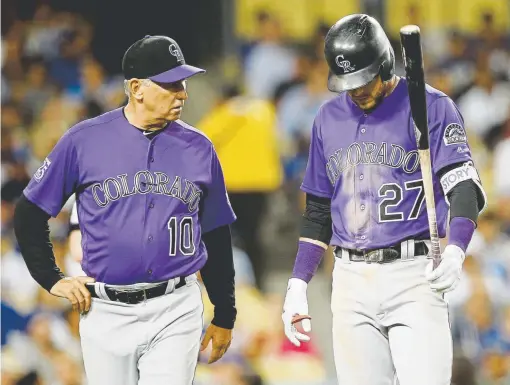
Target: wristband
{"x": 461, "y": 231}
{"x": 308, "y": 257}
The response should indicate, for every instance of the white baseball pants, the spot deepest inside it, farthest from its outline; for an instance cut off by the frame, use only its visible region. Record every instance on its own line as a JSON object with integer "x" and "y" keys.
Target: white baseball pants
{"x": 388, "y": 324}
{"x": 155, "y": 342}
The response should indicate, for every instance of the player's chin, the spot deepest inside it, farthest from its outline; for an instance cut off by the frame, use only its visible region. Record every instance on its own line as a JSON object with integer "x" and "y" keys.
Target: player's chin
{"x": 366, "y": 104}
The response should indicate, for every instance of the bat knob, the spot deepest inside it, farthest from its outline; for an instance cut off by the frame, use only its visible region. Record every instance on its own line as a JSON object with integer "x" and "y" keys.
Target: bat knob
{"x": 410, "y": 29}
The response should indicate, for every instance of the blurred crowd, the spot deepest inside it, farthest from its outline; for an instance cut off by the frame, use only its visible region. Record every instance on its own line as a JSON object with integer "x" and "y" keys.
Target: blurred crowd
{"x": 260, "y": 126}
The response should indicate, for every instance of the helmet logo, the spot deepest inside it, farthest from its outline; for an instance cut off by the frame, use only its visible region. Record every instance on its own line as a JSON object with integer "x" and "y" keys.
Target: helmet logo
{"x": 344, "y": 64}
{"x": 176, "y": 52}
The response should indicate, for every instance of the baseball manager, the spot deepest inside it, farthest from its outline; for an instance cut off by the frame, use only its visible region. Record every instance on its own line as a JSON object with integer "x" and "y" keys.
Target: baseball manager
{"x": 153, "y": 211}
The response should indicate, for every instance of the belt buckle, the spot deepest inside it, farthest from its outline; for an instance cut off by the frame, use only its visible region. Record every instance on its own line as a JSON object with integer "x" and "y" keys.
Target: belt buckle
{"x": 136, "y": 297}
{"x": 374, "y": 256}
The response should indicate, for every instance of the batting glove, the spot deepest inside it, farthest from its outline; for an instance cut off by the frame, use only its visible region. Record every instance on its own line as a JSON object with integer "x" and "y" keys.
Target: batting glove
{"x": 295, "y": 306}
{"x": 446, "y": 276}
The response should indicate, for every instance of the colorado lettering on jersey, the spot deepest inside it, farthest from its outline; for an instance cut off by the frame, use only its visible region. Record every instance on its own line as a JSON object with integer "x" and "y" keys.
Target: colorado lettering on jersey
{"x": 386, "y": 154}
{"x": 144, "y": 182}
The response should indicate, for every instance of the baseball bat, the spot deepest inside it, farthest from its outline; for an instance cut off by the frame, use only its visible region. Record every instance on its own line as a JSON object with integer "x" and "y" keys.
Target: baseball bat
{"x": 413, "y": 61}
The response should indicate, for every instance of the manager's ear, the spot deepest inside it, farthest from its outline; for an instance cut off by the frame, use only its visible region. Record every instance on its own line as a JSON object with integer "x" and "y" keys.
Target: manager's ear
{"x": 134, "y": 88}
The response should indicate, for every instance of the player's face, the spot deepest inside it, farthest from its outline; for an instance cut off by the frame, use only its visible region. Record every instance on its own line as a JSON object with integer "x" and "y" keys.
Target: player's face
{"x": 368, "y": 96}
{"x": 165, "y": 100}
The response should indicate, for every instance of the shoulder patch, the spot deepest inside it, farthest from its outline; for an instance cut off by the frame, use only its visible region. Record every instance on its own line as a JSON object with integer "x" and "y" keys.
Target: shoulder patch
{"x": 454, "y": 133}
{"x": 42, "y": 170}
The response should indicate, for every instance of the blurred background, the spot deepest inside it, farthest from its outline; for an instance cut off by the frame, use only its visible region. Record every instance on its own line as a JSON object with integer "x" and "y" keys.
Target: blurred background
{"x": 266, "y": 78}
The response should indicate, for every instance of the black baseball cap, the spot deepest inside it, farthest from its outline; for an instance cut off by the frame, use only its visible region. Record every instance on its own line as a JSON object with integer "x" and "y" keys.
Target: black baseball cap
{"x": 157, "y": 58}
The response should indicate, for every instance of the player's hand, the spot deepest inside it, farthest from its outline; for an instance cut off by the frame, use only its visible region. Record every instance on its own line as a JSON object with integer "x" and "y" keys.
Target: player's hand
{"x": 446, "y": 276}
{"x": 73, "y": 288}
{"x": 221, "y": 339}
{"x": 295, "y": 310}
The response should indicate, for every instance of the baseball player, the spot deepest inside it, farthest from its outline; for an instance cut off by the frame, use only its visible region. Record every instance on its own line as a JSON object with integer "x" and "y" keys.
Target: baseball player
{"x": 153, "y": 210}
{"x": 364, "y": 197}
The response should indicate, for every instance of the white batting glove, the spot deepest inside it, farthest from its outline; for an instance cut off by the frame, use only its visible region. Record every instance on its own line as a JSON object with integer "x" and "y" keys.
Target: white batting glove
{"x": 446, "y": 276}
{"x": 296, "y": 304}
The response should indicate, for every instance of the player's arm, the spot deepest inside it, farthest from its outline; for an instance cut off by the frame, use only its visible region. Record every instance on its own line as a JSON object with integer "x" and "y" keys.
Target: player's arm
{"x": 315, "y": 235}
{"x": 466, "y": 197}
{"x": 316, "y": 226}
{"x": 218, "y": 272}
{"x": 452, "y": 163}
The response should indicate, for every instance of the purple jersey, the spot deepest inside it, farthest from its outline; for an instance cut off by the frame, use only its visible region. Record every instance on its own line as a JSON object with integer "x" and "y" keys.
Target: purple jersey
{"x": 143, "y": 204}
{"x": 368, "y": 165}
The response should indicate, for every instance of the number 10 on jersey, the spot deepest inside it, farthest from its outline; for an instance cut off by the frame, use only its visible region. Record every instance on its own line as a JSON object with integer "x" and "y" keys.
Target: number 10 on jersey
{"x": 181, "y": 233}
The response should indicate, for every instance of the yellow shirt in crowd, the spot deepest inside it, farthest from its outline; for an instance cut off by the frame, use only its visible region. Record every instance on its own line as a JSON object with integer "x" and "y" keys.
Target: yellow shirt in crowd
{"x": 243, "y": 132}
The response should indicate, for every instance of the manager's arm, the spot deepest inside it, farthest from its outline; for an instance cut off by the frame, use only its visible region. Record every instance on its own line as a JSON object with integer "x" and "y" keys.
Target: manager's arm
{"x": 33, "y": 237}
{"x": 218, "y": 276}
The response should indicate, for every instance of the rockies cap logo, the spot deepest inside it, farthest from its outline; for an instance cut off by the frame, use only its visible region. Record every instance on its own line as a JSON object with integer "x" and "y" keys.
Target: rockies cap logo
{"x": 175, "y": 51}
{"x": 344, "y": 64}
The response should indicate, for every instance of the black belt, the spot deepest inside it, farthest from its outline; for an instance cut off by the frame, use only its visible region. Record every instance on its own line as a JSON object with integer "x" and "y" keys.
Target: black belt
{"x": 135, "y": 296}
{"x": 385, "y": 255}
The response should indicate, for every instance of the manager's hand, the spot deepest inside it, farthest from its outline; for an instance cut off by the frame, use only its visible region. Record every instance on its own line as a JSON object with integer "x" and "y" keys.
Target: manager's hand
{"x": 221, "y": 339}
{"x": 73, "y": 288}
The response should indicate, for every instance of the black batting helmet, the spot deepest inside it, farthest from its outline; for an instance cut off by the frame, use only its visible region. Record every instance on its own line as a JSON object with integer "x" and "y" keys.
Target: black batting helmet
{"x": 357, "y": 50}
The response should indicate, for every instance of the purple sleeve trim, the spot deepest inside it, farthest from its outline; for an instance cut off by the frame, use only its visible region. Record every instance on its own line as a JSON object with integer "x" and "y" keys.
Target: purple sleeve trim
{"x": 308, "y": 257}
{"x": 461, "y": 231}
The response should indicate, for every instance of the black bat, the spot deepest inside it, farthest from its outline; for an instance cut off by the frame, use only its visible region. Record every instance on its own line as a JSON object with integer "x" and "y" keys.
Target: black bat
{"x": 413, "y": 61}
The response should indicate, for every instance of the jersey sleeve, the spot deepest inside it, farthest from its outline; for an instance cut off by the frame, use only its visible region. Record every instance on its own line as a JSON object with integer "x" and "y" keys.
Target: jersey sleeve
{"x": 216, "y": 208}
{"x": 316, "y": 180}
{"x": 55, "y": 180}
{"x": 448, "y": 140}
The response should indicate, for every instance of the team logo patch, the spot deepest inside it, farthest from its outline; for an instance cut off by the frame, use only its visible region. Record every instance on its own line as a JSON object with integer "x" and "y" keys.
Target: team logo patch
{"x": 454, "y": 134}
{"x": 42, "y": 170}
{"x": 175, "y": 51}
{"x": 344, "y": 64}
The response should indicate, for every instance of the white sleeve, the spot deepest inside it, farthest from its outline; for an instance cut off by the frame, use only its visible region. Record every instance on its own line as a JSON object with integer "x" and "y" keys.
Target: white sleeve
{"x": 74, "y": 215}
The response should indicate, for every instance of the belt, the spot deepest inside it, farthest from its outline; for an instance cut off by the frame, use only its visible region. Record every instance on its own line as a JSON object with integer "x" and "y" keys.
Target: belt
{"x": 133, "y": 297}
{"x": 385, "y": 255}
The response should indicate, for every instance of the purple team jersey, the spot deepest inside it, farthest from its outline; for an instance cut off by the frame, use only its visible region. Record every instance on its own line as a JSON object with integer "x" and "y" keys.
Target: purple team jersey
{"x": 368, "y": 165}
{"x": 143, "y": 204}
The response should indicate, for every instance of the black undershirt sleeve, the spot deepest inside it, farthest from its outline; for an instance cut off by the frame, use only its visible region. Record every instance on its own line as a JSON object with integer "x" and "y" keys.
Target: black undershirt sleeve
{"x": 33, "y": 236}
{"x": 316, "y": 221}
{"x": 465, "y": 198}
{"x": 218, "y": 276}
